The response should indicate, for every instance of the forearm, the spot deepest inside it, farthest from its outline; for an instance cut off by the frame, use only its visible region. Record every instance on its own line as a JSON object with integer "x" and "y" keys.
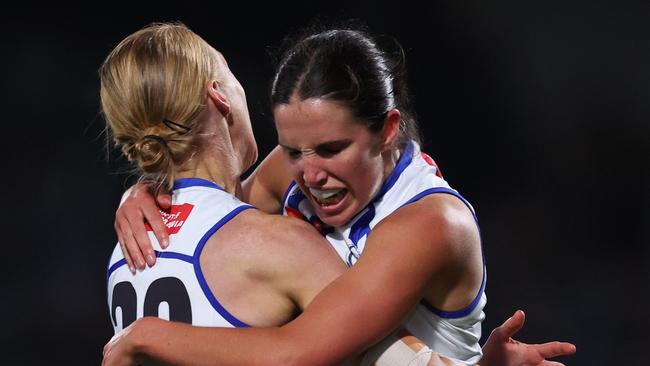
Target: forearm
{"x": 182, "y": 344}
{"x": 331, "y": 332}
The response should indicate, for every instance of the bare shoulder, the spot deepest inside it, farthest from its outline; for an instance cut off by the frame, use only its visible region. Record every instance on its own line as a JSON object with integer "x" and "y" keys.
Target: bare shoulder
{"x": 278, "y": 262}
{"x": 268, "y": 242}
{"x": 289, "y": 255}
{"x": 439, "y": 224}
{"x": 280, "y": 230}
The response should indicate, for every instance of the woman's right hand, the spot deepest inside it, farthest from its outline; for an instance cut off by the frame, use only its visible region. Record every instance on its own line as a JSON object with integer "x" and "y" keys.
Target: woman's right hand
{"x": 137, "y": 208}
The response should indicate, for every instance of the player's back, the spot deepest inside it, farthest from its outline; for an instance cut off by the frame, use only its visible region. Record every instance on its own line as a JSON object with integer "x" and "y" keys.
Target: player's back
{"x": 175, "y": 288}
{"x": 227, "y": 265}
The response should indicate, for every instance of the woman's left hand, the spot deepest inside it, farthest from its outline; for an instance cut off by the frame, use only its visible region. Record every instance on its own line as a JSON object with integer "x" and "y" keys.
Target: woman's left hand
{"x": 121, "y": 350}
{"x": 500, "y": 349}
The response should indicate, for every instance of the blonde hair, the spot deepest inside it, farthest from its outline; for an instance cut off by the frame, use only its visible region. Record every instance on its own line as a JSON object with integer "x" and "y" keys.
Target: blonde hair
{"x": 153, "y": 90}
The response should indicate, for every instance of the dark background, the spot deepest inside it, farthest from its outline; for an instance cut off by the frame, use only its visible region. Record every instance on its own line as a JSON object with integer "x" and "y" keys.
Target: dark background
{"x": 537, "y": 112}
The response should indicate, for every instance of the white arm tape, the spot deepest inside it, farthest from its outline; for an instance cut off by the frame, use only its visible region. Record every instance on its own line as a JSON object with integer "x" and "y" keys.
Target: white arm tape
{"x": 394, "y": 352}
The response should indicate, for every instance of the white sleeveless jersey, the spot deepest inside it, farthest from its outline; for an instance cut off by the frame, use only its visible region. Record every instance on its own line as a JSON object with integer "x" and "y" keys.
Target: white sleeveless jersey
{"x": 175, "y": 288}
{"x": 455, "y": 334}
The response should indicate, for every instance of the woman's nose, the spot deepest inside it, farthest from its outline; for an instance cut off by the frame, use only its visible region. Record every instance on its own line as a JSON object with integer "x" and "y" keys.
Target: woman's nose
{"x": 313, "y": 174}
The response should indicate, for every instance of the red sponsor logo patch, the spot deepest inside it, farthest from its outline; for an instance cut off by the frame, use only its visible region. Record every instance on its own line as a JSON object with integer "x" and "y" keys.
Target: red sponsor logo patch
{"x": 174, "y": 218}
{"x": 431, "y": 162}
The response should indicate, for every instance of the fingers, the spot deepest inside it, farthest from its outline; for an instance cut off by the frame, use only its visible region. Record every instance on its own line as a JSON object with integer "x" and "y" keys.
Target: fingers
{"x": 511, "y": 326}
{"x": 151, "y": 212}
{"x": 131, "y": 218}
{"x": 555, "y": 349}
{"x": 127, "y": 256}
{"x": 138, "y": 208}
{"x": 142, "y": 242}
{"x": 129, "y": 246}
{"x": 153, "y": 217}
{"x": 164, "y": 200}
{"x": 125, "y": 253}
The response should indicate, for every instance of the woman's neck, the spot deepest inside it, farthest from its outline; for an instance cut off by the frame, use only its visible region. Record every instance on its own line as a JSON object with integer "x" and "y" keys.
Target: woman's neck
{"x": 220, "y": 171}
{"x": 390, "y": 161}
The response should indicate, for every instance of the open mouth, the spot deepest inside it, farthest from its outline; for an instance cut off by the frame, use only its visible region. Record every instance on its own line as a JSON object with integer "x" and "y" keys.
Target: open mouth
{"x": 328, "y": 197}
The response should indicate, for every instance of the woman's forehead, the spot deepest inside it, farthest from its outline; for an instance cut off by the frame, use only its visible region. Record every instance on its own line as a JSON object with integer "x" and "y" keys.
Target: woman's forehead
{"x": 313, "y": 111}
{"x": 315, "y": 121}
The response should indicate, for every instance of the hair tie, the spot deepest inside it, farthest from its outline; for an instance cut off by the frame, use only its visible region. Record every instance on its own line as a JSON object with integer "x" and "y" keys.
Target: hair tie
{"x": 156, "y": 138}
{"x": 177, "y": 127}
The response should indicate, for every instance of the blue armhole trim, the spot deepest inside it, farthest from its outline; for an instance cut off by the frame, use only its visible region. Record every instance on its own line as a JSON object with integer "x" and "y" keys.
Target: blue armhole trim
{"x": 199, "y": 273}
{"x": 286, "y": 194}
{"x": 172, "y": 255}
{"x": 458, "y": 313}
{"x": 175, "y": 255}
{"x": 469, "y": 308}
{"x": 113, "y": 268}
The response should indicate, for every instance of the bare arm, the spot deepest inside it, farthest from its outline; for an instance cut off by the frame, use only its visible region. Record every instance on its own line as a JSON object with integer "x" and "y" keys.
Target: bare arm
{"x": 350, "y": 315}
{"x": 404, "y": 349}
{"x": 355, "y": 311}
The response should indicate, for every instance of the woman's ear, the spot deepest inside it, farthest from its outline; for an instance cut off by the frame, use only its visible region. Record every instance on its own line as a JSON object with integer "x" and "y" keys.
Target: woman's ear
{"x": 390, "y": 131}
{"x": 219, "y": 98}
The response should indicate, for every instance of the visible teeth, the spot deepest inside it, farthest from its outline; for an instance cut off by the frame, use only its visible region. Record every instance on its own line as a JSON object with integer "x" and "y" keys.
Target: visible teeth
{"x": 323, "y": 194}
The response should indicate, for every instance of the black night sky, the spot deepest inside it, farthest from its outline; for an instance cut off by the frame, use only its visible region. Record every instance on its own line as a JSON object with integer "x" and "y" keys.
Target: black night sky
{"x": 538, "y": 112}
